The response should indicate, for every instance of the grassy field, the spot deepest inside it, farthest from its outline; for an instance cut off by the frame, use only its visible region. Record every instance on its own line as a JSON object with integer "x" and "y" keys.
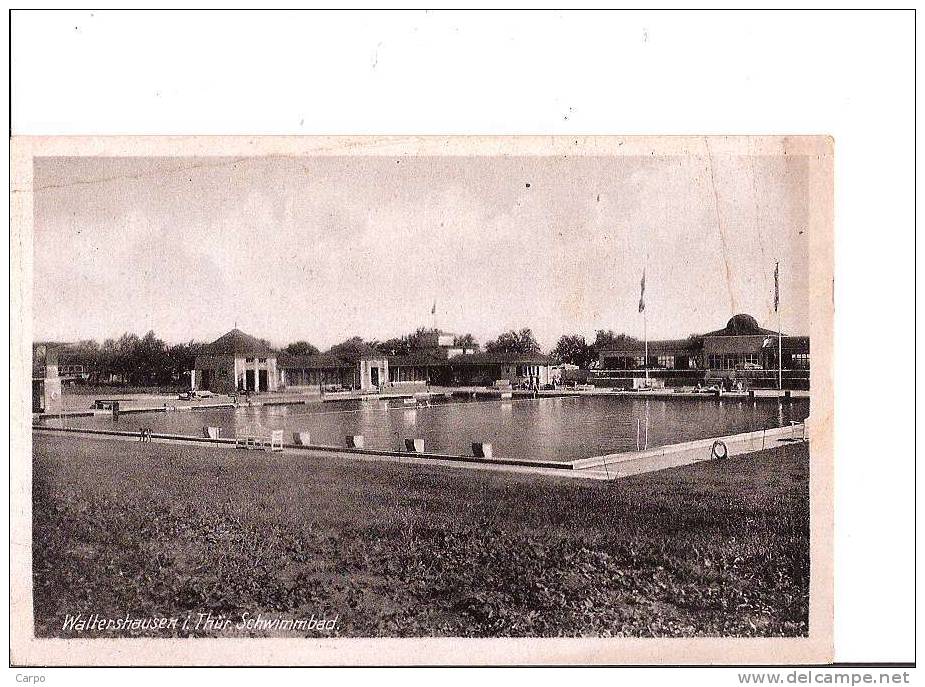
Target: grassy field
{"x": 403, "y": 550}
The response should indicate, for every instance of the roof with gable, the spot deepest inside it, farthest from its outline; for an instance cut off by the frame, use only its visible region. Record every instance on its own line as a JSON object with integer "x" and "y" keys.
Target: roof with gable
{"x": 237, "y": 342}
{"x": 742, "y": 325}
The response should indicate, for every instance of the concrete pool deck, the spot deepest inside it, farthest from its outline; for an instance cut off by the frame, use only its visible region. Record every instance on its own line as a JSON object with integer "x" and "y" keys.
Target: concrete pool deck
{"x": 171, "y": 402}
{"x": 607, "y": 467}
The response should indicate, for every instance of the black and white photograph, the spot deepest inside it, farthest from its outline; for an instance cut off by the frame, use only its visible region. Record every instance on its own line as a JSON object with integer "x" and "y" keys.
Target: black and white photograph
{"x": 409, "y": 394}
{"x": 425, "y": 340}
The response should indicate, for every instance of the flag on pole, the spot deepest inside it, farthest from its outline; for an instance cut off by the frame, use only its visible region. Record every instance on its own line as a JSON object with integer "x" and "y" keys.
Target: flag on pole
{"x": 642, "y": 292}
{"x": 776, "y": 285}
{"x": 433, "y": 310}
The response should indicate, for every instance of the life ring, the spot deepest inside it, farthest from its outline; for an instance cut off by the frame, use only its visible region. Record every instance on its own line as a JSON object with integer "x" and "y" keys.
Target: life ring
{"x": 715, "y": 453}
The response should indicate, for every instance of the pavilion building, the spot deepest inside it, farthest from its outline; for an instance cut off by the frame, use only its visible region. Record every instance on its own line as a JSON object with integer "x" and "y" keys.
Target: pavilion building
{"x": 235, "y": 362}
{"x": 741, "y": 353}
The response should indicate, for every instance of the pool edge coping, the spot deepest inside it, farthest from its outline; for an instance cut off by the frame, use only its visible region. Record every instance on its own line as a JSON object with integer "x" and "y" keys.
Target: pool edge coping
{"x": 734, "y": 443}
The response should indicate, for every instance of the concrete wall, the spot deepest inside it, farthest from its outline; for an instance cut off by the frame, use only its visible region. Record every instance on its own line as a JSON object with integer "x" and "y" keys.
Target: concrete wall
{"x": 695, "y": 451}
{"x": 46, "y": 395}
{"x": 365, "y": 368}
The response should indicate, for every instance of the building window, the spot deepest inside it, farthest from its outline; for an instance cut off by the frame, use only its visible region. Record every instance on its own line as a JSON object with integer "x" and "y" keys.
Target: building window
{"x": 248, "y": 360}
{"x": 750, "y": 358}
{"x": 723, "y": 362}
{"x": 801, "y": 361}
{"x": 666, "y": 362}
{"x": 263, "y": 360}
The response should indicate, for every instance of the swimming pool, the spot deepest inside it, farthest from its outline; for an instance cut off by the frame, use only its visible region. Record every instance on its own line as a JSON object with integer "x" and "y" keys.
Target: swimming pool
{"x": 549, "y": 429}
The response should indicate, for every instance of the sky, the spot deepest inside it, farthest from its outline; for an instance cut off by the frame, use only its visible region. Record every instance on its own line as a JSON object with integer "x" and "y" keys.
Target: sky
{"x": 322, "y": 248}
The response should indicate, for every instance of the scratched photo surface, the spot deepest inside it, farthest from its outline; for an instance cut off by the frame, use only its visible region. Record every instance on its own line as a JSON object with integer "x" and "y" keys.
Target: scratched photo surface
{"x": 324, "y": 248}
{"x": 423, "y": 395}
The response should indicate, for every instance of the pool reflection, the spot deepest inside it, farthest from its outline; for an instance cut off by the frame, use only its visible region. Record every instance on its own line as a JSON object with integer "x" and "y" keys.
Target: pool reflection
{"x": 546, "y": 429}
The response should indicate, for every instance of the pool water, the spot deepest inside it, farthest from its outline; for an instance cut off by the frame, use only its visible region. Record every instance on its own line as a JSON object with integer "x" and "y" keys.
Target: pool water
{"x": 548, "y": 429}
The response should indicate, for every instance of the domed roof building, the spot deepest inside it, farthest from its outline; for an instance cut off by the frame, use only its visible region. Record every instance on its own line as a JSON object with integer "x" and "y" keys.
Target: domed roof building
{"x": 742, "y": 353}
{"x": 235, "y": 362}
{"x": 742, "y": 325}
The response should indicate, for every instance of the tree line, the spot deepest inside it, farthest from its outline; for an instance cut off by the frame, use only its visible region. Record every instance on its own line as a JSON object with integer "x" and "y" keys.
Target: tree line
{"x": 148, "y": 360}
{"x": 134, "y": 360}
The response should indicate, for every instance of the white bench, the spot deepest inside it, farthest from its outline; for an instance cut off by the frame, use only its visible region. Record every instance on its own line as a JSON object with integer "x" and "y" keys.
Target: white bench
{"x": 255, "y": 440}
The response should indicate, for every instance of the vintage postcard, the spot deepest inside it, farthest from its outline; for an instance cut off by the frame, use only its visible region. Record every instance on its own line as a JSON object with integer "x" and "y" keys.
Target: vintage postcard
{"x": 464, "y": 400}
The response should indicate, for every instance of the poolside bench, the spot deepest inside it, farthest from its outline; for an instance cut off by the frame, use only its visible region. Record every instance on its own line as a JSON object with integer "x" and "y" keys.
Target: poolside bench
{"x": 253, "y": 439}
{"x": 414, "y": 445}
{"x": 245, "y": 438}
{"x": 481, "y": 449}
{"x": 275, "y": 441}
{"x": 107, "y": 403}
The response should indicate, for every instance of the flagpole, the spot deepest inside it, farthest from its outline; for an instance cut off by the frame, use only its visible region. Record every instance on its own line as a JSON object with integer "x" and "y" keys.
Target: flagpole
{"x": 780, "y": 345}
{"x": 780, "y": 355}
{"x": 645, "y": 328}
{"x": 645, "y": 333}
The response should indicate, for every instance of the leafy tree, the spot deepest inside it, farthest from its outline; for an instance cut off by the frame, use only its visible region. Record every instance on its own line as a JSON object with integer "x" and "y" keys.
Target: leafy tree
{"x": 300, "y": 348}
{"x": 395, "y": 346}
{"x": 180, "y": 359}
{"x": 152, "y": 365}
{"x": 125, "y": 362}
{"x": 88, "y": 353}
{"x": 465, "y": 341}
{"x": 143, "y": 361}
{"x": 606, "y": 339}
{"x": 108, "y": 359}
{"x": 574, "y": 349}
{"x": 515, "y": 342}
{"x": 422, "y": 337}
{"x": 351, "y": 348}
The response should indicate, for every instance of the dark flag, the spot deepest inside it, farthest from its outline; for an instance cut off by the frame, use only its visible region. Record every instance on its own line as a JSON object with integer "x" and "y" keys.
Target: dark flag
{"x": 433, "y": 310}
{"x": 642, "y": 292}
{"x": 776, "y": 285}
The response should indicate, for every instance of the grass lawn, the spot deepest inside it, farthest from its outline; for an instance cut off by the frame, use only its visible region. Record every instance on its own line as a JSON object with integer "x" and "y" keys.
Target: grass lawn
{"x": 715, "y": 549}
